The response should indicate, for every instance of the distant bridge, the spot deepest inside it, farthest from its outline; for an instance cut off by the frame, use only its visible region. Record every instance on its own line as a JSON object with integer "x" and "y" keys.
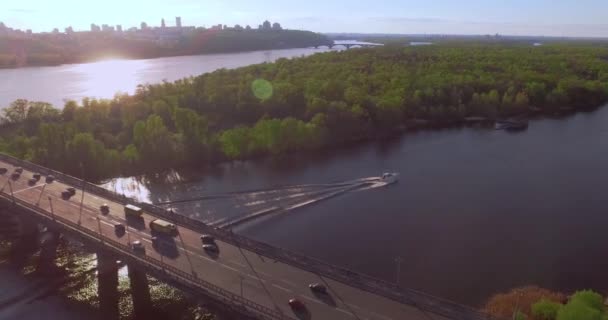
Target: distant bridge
{"x": 350, "y": 44}
{"x": 250, "y": 278}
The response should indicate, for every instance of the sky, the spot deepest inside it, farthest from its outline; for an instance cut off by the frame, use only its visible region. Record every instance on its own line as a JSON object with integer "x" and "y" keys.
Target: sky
{"x": 507, "y": 17}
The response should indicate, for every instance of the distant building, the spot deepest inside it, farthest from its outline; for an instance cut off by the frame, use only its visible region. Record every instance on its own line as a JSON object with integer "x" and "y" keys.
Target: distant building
{"x": 95, "y": 28}
{"x": 144, "y": 26}
{"x": 162, "y": 23}
{"x": 178, "y": 22}
{"x": 118, "y": 28}
{"x": 55, "y": 30}
{"x": 69, "y": 30}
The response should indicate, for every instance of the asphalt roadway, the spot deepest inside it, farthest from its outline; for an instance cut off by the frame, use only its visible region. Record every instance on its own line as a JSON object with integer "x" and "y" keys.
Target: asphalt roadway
{"x": 255, "y": 277}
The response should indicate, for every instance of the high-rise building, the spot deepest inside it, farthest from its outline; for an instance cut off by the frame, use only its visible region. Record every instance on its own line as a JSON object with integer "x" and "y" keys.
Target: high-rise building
{"x": 178, "y": 22}
{"x": 162, "y": 23}
{"x": 118, "y": 28}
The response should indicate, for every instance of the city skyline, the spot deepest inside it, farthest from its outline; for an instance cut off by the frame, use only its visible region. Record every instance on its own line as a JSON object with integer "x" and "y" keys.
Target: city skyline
{"x": 517, "y": 17}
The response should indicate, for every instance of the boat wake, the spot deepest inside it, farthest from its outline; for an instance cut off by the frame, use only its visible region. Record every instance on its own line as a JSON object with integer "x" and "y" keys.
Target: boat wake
{"x": 232, "y": 209}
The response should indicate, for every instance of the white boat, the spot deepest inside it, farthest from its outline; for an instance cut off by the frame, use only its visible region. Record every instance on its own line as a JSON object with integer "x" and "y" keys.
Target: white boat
{"x": 390, "y": 177}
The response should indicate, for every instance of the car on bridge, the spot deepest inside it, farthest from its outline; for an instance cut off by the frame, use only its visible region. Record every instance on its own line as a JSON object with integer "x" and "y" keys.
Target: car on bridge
{"x": 138, "y": 246}
{"x": 32, "y": 181}
{"x": 119, "y": 228}
{"x": 104, "y": 208}
{"x": 207, "y": 239}
{"x": 211, "y": 248}
{"x": 36, "y": 176}
{"x": 317, "y": 288}
{"x": 15, "y": 175}
{"x": 3, "y": 170}
{"x": 19, "y": 170}
{"x": 297, "y": 305}
{"x": 50, "y": 178}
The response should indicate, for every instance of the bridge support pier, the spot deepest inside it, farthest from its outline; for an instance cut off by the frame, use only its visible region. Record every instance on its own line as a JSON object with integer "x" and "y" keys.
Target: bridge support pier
{"x": 107, "y": 285}
{"x": 24, "y": 238}
{"x": 140, "y": 292}
{"x": 49, "y": 241}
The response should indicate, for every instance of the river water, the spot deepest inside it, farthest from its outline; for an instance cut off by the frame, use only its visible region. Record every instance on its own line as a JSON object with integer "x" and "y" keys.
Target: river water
{"x": 476, "y": 211}
{"x": 105, "y": 78}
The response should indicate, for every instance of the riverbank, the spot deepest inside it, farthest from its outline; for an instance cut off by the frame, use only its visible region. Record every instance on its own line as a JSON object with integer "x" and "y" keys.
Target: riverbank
{"x": 82, "y": 47}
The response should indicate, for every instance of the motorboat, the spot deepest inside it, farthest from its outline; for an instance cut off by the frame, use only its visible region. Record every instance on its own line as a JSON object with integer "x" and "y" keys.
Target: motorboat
{"x": 512, "y": 125}
{"x": 389, "y": 177}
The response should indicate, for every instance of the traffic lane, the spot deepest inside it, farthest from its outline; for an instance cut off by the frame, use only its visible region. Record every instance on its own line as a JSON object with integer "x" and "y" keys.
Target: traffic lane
{"x": 298, "y": 280}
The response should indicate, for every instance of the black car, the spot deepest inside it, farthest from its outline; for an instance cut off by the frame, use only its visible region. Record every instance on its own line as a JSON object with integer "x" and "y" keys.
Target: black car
{"x": 66, "y": 195}
{"x": 207, "y": 239}
{"x": 119, "y": 228}
{"x": 211, "y": 248}
{"x": 104, "y": 208}
{"x": 32, "y": 181}
{"x": 71, "y": 190}
{"x": 317, "y": 288}
{"x": 15, "y": 175}
{"x": 3, "y": 170}
{"x": 36, "y": 176}
{"x": 50, "y": 178}
{"x": 19, "y": 169}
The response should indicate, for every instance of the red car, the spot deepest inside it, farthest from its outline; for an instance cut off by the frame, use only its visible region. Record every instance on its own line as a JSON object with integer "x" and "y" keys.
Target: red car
{"x": 297, "y": 305}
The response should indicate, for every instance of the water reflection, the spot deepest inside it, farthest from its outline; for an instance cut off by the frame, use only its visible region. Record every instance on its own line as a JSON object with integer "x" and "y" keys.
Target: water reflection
{"x": 105, "y": 78}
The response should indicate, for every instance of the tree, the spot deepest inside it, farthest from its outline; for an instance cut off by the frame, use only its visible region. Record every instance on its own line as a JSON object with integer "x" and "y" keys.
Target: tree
{"x": 17, "y": 111}
{"x": 266, "y": 25}
{"x": 545, "y": 309}
{"x": 276, "y": 26}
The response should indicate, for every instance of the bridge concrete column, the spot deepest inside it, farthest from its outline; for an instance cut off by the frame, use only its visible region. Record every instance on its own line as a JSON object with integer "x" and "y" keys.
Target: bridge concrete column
{"x": 25, "y": 238}
{"x": 140, "y": 292}
{"x": 107, "y": 285}
{"x": 49, "y": 241}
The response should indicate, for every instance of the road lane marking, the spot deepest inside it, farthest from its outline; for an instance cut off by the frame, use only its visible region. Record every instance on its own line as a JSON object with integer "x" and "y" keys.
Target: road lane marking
{"x": 28, "y": 188}
{"x": 288, "y": 282}
{"x": 345, "y": 312}
{"x": 281, "y": 288}
{"x": 311, "y": 299}
{"x": 352, "y": 305}
{"x": 238, "y": 263}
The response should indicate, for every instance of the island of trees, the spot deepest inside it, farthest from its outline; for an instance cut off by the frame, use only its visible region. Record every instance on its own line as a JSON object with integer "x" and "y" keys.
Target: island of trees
{"x": 300, "y": 105}
{"x": 18, "y": 49}
{"x": 534, "y": 303}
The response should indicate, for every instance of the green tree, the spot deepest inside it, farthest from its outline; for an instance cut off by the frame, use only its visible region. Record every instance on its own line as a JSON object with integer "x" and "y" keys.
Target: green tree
{"x": 545, "y": 309}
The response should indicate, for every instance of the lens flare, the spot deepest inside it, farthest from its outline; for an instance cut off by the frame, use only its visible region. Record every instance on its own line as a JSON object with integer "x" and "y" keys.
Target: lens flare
{"x": 262, "y": 89}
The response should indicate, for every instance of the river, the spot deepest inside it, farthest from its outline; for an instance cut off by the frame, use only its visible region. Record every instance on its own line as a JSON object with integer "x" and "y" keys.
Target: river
{"x": 103, "y": 79}
{"x": 476, "y": 211}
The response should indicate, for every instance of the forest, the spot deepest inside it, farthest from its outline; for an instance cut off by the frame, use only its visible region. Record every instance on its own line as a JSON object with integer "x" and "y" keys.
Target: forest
{"x": 301, "y": 105}
{"x": 51, "y": 49}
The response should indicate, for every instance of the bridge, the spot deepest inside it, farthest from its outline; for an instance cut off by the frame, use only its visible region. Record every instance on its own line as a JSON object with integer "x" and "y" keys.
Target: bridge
{"x": 248, "y": 278}
{"x": 350, "y": 44}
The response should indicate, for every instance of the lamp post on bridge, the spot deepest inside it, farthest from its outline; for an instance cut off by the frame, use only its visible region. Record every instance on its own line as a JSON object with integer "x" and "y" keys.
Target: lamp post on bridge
{"x": 10, "y": 186}
{"x": 82, "y": 197}
{"x": 40, "y": 197}
{"x": 51, "y": 204}
{"x": 398, "y": 260}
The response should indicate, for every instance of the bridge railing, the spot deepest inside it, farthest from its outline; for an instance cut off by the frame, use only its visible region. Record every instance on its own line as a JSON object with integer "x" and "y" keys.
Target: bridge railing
{"x": 167, "y": 270}
{"x": 421, "y": 300}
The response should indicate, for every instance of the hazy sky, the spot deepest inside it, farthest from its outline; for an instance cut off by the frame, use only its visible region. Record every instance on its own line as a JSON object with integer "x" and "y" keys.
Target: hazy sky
{"x": 516, "y": 17}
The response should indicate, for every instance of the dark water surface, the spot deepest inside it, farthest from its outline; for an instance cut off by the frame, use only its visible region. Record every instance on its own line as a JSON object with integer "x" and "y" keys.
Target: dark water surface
{"x": 476, "y": 211}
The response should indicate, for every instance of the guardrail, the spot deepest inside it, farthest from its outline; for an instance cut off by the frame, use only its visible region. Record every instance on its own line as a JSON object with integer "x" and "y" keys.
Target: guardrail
{"x": 224, "y": 295}
{"x": 421, "y": 300}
